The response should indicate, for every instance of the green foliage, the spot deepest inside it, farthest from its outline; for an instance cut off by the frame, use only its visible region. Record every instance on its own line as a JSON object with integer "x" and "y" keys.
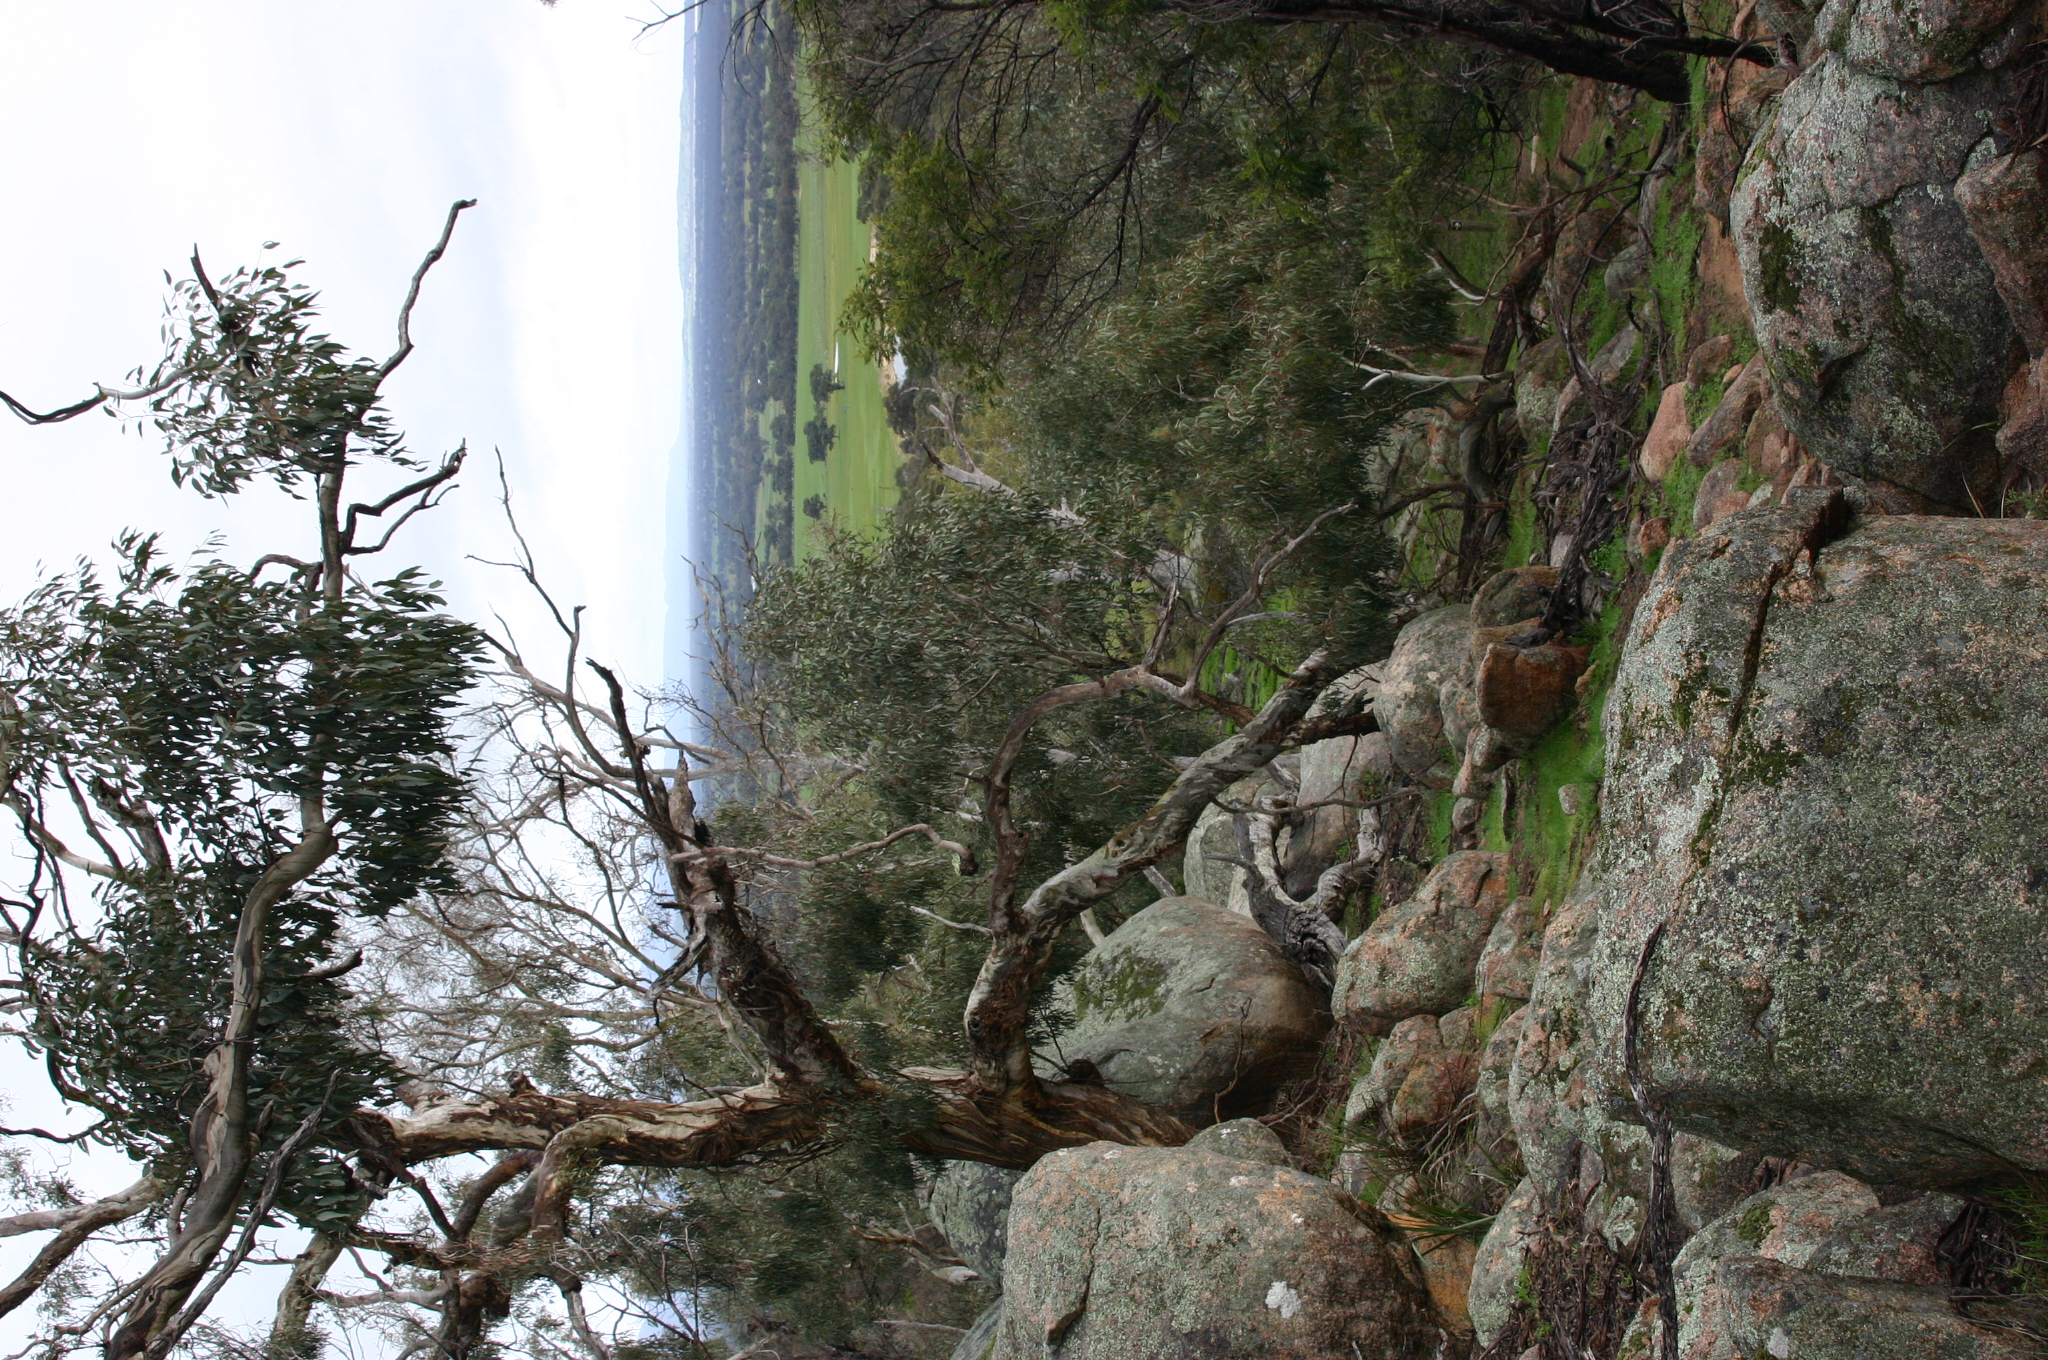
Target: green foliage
{"x": 265, "y": 395}
{"x": 1040, "y": 159}
{"x": 1223, "y": 391}
{"x": 910, "y": 651}
{"x": 183, "y": 728}
{"x": 213, "y": 704}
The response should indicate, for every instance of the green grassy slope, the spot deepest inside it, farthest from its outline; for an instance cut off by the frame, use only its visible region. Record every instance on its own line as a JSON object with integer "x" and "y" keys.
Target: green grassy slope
{"x": 857, "y": 481}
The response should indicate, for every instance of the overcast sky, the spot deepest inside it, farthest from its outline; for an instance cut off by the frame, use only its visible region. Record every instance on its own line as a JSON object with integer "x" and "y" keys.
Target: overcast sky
{"x": 132, "y": 130}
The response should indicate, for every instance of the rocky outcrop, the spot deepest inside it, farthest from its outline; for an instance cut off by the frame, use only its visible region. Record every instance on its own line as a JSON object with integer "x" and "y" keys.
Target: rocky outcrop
{"x": 1730, "y": 417}
{"x": 970, "y": 1203}
{"x": 1430, "y": 658}
{"x": 1819, "y": 851}
{"x": 1822, "y": 1266}
{"x": 1212, "y": 868}
{"x": 1468, "y": 689}
{"x": 1889, "y": 337}
{"x": 1582, "y": 1142}
{"x": 1315, "y": 797}
{"x": 980, "y": 1340}
{"x": 1418, "y": 957}
{"x": 1497, "y": 1269}
{"x": 1332, "y": 774}
{"x": 1420, "y": 1075}
{"x": 1245, "y": 1139}
{"x": 1507, "y": 961}
{"x": 1192, "y": 1008}
{"x": 1759, "y": 1307}
{"x": 1122, "y": 1253}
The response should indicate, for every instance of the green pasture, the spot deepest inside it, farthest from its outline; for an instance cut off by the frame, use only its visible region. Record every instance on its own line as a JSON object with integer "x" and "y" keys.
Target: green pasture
{"x": 857, "y": 480}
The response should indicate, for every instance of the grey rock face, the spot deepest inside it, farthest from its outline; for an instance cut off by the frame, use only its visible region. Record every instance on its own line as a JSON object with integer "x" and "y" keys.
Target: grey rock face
{"x": 1498, "y": 1267}
{"x": 1431, "y": 652}
{"x": 1818, "y": 1266}
{"x": 1887, "y": 342}
{"x": 1567, "y": 1136}
{"x": 1507, "y": 963}
{"x": 1580, "y": 1137}
{"x": 1496, "y": 1063}
{"x": 1921, "y": 41}
{"x": 1418, "y": 958}
{"x": 1208, "y": 870}
{"x": 1124, "y": 1253}
{"x": 1817, "y": 791}
{"x": 1826, "y": 1222}
{"x": 1764, "y": 1308}
{"x": 1392, "y": 1061}
{"x": 1194, "y": 1009}
{"x": 1338, "y": 770}
{"x": 969, "y": 1203}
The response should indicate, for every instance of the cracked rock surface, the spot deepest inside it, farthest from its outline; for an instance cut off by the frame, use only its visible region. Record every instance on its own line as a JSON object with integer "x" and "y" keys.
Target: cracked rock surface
{"x": 1816, "y": 794}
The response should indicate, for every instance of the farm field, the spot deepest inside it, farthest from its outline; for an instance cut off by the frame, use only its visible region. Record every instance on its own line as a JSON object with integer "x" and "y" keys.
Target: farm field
{"x": 856, "y": 483}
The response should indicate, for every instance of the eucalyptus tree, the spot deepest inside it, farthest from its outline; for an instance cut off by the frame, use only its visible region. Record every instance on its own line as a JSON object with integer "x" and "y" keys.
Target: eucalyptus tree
{"x": 215, "y": 770}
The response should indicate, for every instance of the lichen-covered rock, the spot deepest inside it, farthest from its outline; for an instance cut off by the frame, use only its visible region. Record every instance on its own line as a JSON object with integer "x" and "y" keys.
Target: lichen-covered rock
{"x": 1445, "y": 1260}
{"x": 1765, "y": 1308}
{"x": 970, "y": 1202}
{"x": 1418, "y": 957}
{"x": 1194, "y": 1009}
{"x": 1507, "y": 962}
{"x": 1669, "y": 432}
{"x": 1490, "y": 1087}
{"x": 1420, "y": 1076}
{"x": 1521, "y": 692}
{"x": 1574, "y": 1147}
{"x": 1818, "y": 796}
{"x": 1430, "y": 651}
{"x": 2005, "y": 201}
{"x": 1518, "y": 595}
{"x": 1392, "y": 1061}
{"x": 1718, "y": 495}
{"x": 1731, "y": 415}
{"x": 1900, "y": 1242}
{"x": 1209, "y": 861}
{"x": 1921, "y": 41}
{"x": 1126, "y": 1253}
{"x": 1887, "y": 341}
{"x": 1579, "y": 1137}
{"x": 1332, "y": 773}
{"x": 1789, "y": 1223}
{"x": 1431, "y": 1093}
{"x": 1497, "y": 1268}
{"x": 1245, "y": 1139}
{"x": 1825, "y": 1222}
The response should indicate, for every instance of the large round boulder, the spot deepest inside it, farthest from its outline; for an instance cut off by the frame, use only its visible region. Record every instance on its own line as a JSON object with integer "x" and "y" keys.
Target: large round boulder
{"x": 1194, "y": 1009}
{"x": 1126, "y": 1253}
{"x": 1821, "y": 874}
{"x": 1419, "y": 957}
{"x": 1887, "y": 342}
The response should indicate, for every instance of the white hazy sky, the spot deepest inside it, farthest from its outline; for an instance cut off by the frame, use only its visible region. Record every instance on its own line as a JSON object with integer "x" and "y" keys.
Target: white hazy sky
{"x": 131, "y": 130}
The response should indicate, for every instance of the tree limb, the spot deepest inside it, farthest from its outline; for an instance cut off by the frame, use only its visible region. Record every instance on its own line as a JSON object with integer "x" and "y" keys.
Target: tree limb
{"x": 74, "y": 1226}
